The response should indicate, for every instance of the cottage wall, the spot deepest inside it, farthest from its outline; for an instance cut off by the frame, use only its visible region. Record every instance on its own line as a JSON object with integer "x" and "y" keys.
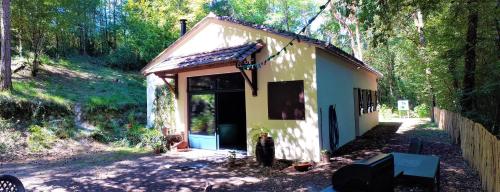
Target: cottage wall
{"x": 336, "y": 80}
{"x": 296, "y": 139}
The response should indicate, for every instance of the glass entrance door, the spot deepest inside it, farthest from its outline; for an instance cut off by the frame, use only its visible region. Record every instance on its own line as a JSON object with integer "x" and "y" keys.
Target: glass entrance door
{"x": 212, "y": 110}
{"x": 202, "y": 121}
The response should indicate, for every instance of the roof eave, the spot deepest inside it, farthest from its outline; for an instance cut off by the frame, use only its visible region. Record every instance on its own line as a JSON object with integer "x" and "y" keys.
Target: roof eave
{"x": 175, "y": 43}
{"x": 355, "y": 61}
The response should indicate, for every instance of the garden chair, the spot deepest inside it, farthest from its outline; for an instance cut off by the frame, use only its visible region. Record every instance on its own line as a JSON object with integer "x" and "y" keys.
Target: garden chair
{"x": 9, "y": 183}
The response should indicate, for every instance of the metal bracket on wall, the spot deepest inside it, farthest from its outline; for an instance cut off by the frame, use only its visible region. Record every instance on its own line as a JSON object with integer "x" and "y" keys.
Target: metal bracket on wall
{"x": 253, "y": 82}
{"x": 173, "y": 88}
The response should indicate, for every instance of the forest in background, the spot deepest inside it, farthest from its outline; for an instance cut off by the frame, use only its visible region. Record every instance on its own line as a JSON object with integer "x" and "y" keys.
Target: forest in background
{"x": 444, "y": 52}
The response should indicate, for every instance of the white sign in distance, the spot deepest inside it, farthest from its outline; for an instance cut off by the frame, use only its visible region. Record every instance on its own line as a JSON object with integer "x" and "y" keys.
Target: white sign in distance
{"x": 403, "y": 105}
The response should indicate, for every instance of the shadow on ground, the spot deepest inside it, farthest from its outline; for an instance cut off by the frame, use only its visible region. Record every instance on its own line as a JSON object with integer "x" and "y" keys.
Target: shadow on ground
{"x": 125, "y": 171}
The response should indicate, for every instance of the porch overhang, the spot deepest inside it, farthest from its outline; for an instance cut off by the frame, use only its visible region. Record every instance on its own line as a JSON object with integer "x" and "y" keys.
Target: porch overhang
{"x": 217, "y": 58}
{"x": 231, "y": 56}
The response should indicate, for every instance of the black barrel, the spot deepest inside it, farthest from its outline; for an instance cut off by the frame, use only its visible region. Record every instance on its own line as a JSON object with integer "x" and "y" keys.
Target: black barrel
{"x": 264, "y": 151}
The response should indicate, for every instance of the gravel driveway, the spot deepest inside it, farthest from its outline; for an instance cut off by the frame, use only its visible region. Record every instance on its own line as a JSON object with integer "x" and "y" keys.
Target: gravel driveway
{"x": 199, "y": 169}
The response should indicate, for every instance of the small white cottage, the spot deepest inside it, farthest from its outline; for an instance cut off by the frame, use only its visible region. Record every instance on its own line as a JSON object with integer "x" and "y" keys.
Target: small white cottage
{"x": 217, "y": 103}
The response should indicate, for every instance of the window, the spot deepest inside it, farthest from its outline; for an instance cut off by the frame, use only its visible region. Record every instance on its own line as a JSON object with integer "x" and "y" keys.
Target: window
{"x": 232, "y": 81}
{"x": 286, "y": 100}
{"x": 368, "y": 101}
{"x": 204, "y": 83}
{"x": 202, "y": 114}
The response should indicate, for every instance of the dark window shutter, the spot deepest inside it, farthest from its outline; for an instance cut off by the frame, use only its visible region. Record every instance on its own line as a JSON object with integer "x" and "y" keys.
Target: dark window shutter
{"x": 367, "y": 104}
{"x": 360, "y": 102}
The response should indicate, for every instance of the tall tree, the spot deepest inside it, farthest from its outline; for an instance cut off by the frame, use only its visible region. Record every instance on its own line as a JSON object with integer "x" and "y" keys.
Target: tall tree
{"x": 470, "y": 58}
{"x": 6, "y": 83}
{"x": 346, "y": 14}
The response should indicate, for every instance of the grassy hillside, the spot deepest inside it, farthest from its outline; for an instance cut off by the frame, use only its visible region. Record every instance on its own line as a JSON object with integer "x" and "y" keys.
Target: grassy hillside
{"x": 81, "y": 80}
{"x": 40, "y": 111}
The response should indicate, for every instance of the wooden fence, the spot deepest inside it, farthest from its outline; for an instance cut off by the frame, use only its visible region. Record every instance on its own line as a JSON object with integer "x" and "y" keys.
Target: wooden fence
{"x": 480, "y": 148}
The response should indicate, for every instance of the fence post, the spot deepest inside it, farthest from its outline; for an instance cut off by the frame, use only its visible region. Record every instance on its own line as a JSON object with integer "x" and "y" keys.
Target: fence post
{"x": 480, "y": 148}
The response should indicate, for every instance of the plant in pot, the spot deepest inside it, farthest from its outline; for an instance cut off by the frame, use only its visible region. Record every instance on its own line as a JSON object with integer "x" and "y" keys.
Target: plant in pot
{"x": 158, "y": 145}
{"x": 261, "y": 132}
{"x": 325, "y": 156}
{"x": 302, "y": 166}
{"x": 231, "y": 158}
{"x": 264, "y": 145}
{"x": 157, "y": 148}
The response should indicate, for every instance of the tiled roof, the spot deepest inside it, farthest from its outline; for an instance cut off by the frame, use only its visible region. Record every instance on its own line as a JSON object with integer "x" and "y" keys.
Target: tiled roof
{"x": 228, "y": 55}
{"x": 169, "y": 64}
{"x": 321, "y": 44}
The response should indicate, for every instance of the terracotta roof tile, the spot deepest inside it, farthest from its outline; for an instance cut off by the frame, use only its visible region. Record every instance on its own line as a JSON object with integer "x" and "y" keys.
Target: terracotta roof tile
{"x": 321, "y": 44}
{"x": 225, "y": 55}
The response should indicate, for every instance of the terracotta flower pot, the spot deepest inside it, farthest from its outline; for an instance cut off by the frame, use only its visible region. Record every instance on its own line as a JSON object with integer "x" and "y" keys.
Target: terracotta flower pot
{"x": 325, "y": 157}
{"x": 303, "y": 166}
{"x": 157, "y": 150}
{"x": 164, "y": 131}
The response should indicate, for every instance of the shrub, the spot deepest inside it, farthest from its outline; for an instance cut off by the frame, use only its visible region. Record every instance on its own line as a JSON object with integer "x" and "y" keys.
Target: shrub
{"x": 386, "y": 111}
{"x": 34, "y": 110}
{"x": 108, "y": 131}
{"x": 39, "y": 138}
{"x": 10, "y": 141}
{"x": 134, "y": 134}
{"x": 123, "y": 58}
{"x": 100, "y": 136}
{"x": 3, "y": 147}
{"x": 62, "y": 128}
{"x": 151, "y": 137}
{"x": 422, "y": 110}
{"x": 6, "y": 124}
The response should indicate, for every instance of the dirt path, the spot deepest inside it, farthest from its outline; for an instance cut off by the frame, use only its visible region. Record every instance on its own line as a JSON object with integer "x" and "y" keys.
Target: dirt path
{"x": 191, "y": 171}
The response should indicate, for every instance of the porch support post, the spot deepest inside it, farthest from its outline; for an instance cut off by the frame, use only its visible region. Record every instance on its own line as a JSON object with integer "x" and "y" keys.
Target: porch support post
{"x": 254, "y": 77}
{"x": 253, "y": 82}
{"x": 176, "y": 86}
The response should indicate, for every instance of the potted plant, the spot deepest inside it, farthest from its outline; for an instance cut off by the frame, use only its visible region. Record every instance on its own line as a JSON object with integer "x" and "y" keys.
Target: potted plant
{"x": 231, "y": 158}
{"x": 158, "y": 145}
{"x": 325, "y": 156}
{"x": 259, "y": 131}
{"x": 158, "y": 148}
{"x": 302, "y": 166}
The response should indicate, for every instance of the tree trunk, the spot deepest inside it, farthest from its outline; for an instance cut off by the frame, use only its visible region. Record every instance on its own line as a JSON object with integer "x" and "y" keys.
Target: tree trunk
{"x": 37, "y": 40}
{"x": 6, "y": 83}
{"x": 391, "y": 74}
{"x": 354, "y": 37}
{"x": 83, "y": 41}
{"x": 358, "y": 42}
{"x": 470, "y": 58}
{"x": 20, "y": 47}
{"x": 287, "y": 15}
{"x": 452, "y": 70}
{"x": 419, "y": 23}
{"x": 358, "y": 33}
{"x": 497, "y": 25}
